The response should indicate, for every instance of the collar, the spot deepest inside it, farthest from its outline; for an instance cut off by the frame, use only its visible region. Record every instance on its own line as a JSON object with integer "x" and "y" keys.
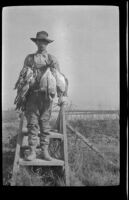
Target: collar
{"x": 43, "y": 53}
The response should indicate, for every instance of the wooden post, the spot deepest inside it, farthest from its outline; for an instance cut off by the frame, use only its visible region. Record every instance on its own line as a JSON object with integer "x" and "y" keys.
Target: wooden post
{"x": 58, "y": 122}
{"x": 63, "y": 130}
{"x": 17, "y": 152}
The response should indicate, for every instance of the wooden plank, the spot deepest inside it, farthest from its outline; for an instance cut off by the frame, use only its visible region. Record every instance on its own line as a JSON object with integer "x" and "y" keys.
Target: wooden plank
{"x": 65, "y": 146}
{"x": 17, "y": 151}
{"x": 55, "y": 135}
{"x": 40, "y": 162}
{"x": 91, "y": 145}
{"x": 58, "y": 122}
{"x": 25, "y": 132}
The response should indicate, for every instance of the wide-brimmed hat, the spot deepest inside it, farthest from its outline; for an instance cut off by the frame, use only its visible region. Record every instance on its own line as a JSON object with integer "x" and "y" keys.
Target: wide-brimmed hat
{"x": 42, "y": 36}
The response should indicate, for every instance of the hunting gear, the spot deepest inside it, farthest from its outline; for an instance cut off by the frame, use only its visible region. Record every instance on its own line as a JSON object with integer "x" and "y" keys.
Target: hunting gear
{"x": 39, "y": 81}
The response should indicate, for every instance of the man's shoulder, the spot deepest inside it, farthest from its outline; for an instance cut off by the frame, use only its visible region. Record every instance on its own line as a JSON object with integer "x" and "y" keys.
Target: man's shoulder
{"x": 54, "y": 62}
{"x": 29, "y": 59}
{"x": 52, "y": 57}
{"x": 30, "y": 56}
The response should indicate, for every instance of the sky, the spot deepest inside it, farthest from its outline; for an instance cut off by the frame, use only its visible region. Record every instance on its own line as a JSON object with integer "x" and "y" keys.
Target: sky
{"x": 86, "y": 45}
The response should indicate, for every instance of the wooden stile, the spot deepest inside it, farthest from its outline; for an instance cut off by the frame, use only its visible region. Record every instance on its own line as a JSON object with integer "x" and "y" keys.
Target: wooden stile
{"x": 17, "y": 152}
{"x": 22, "y": 142}
{"x": 63, "y": 130}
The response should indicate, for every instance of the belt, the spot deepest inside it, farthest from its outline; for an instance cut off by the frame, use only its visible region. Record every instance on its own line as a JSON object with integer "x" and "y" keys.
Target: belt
{"x": 38, "y": 90}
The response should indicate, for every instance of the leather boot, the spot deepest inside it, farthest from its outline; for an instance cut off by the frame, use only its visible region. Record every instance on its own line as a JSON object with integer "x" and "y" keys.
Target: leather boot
{"x": 30, "y": 154}
{"x": 44, "y": 151}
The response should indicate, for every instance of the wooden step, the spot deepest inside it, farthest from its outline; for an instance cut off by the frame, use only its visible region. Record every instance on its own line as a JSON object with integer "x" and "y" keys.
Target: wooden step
{"x": 52, "y": 134}
{"x": 40, "y": 162}
{"x": 55, "y": 135}
{"x": 25, "y": 131}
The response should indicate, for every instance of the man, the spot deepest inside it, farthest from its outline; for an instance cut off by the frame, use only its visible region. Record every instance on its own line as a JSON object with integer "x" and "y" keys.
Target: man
{"x": 38, "y": 106}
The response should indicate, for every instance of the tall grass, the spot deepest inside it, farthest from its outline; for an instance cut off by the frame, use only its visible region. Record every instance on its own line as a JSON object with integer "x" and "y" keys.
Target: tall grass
{"x": 86, "y": 168}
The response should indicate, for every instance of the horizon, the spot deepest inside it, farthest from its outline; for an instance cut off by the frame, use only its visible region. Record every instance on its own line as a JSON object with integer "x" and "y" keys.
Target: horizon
{"x": 74, "y": 109}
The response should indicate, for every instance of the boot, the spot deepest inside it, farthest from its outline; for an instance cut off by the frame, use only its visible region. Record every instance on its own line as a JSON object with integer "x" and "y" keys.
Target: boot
{"x": 45, "y": 154}
{"x": 30, "y": 154}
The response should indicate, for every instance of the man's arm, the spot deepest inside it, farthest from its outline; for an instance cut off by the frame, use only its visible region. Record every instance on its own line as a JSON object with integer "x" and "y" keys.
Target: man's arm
{"x": 28, "y": 62}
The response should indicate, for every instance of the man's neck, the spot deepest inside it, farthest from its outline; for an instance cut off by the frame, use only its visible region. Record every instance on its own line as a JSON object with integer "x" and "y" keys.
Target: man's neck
{"x": 42, "y": 52}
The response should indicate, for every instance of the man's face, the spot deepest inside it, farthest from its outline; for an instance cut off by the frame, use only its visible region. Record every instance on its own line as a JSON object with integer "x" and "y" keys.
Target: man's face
{"x": 41, "y": 45}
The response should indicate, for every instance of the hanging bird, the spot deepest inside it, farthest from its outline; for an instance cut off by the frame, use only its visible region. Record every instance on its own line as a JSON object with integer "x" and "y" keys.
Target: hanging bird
{"x": 22, "y": 85}
{"x": 61, "y": 82}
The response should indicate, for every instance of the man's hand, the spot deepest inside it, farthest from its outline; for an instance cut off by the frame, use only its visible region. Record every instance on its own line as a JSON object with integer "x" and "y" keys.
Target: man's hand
{"x": 62, "y": 100}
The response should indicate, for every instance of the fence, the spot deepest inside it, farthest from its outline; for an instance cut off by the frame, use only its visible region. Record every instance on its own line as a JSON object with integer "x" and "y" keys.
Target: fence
{"x": 91, "y": 115}
{"x": 88, "y": 114}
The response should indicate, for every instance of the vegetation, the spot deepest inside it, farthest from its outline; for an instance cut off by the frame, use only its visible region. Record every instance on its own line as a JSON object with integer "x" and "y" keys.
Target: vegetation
{"x": 86, "y": 167}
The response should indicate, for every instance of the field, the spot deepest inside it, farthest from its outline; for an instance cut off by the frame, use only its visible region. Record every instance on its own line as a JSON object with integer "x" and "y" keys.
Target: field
{"x": 87, "y": 168}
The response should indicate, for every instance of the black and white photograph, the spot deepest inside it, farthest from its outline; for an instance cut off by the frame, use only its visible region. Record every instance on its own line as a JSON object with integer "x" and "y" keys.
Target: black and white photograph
{"x": 60, "y": 96}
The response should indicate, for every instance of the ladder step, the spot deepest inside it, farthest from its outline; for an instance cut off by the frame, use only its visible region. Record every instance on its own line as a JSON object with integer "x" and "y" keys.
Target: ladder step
{"x": 40, "y": 162}
{"x": 52, "y": 134}
{"x": 55, "y": 135}
{"x": 25, "y": 130}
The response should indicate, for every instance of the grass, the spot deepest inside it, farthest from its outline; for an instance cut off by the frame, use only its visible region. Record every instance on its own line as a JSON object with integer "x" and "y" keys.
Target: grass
{"x": 104, "y": 127}
{"x": 86, "y": 167}
{"x": 90, "y": 168}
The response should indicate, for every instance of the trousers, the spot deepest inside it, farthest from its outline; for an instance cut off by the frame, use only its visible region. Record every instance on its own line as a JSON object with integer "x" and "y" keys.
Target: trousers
{"x": 38, "y": 113}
